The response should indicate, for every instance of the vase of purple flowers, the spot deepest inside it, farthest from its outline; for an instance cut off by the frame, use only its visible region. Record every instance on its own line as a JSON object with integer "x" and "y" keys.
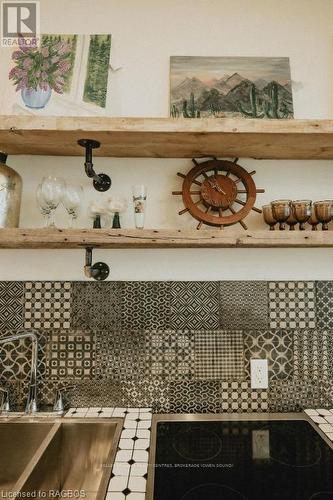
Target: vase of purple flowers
{"x": 39, "y": 71}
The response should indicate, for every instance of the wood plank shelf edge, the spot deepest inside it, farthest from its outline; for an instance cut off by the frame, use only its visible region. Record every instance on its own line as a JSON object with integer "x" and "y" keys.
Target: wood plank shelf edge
{"x": 168, "y": 137}
{"x": 161, "y": 238}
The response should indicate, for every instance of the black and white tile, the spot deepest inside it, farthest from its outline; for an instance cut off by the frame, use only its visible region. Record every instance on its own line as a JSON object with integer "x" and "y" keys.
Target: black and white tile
{"x": 219, "y": 355}
{"x": 47, "y": 305}
{"x": 295, "y": 395}
{"x": 238, "y": 397}
{"x": 276, "y": 346}
{"x": 153, "y": 392}
{"x": 194, "y": 305}
{"x": 313, "y": 355}
{"x": 97, "y": 305}
{"x": 194, "y": 396}
{"x": 292, "y": 305}
{"x": 11, "y": 305}
{"x": 324, "y": 303}
{"x": 120, "y": 355}
{"x": 146, "y": 305}
{"x": 170, "y": 354}
{"x": 243, "y": 305}
{"x": 71, "y": 355}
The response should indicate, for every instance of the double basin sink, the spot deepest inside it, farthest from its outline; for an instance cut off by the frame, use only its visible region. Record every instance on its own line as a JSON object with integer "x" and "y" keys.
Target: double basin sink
{"x": 58, "y": 458}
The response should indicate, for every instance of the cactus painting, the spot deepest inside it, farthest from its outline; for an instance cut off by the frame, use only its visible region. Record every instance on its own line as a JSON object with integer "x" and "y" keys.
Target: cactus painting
{"x": 249, "y": 87}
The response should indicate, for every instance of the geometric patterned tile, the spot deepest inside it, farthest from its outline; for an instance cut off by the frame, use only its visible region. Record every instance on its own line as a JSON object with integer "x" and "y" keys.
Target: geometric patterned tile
{"x": 120, "y": 355}
{"x": 243, "y": 305}
{"x": 98, "y": 393}
{"x": 194, "y": 396}
{"x": 295, "y": 395}
{"x": 324, "y": 304}
{"x": 313, "y": 355}
{"x": 70, "y": 355}
{"x": 292, "y": 304}
{"x": 148, "y": 392}
{"x": 276, "y": 346}
{"x": 238, "y": 397}
{"x": 47, "y": 305}
{"x": 170, "y": 354}
{"x": 15, "y": 358}
{"x": 146, "y": 305}
{"x": 219, "y": 355}
{"x": 195, "y": 305}
{"x": 97, "y": 305}
{"x": 11, "y": 305}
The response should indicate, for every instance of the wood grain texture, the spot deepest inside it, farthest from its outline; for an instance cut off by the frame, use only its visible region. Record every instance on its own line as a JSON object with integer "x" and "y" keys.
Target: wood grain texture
{"x": 168, "y": 137}
{"x": 163, "y": 238}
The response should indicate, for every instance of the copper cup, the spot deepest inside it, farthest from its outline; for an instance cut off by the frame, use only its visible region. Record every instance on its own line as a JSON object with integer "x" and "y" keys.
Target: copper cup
{"x": 302, "y": 211}
{"x": 313, "y": 221}
{"x": 281, "y": 210}
{"x": 268, "y": 216}
{"x": 291, "y": 221}
{"x": 323, "y": 211}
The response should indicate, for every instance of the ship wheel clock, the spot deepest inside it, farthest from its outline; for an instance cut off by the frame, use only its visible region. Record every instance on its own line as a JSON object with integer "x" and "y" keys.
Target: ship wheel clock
{"x": 218, "y": 193}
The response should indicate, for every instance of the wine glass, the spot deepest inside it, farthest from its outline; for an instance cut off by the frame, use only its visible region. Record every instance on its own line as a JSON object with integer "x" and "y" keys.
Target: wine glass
{"x": 43, "y": 206}
{"x": 117, "y": 205}
{"x": 72, "y": 199}
{"x": 52, "y": 189}
{"x": 281, "y": 210}
{"x": 323, "y": 211}
{"x": 268, "y": 216}
{"x": 98, "y": 211}
{"x": 302, "y": 211}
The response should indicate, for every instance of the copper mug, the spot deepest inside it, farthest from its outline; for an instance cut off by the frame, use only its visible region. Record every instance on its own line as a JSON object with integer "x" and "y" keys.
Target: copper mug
{"x": 281, "y": 210}
{"x": 302, "y": 211}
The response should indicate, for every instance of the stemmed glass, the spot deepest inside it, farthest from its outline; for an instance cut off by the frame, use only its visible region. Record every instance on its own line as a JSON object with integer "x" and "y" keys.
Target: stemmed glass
{"x": 72, "y": 199}
{"x": 268, "y": 216}
{"x": 302, "y": 211}
{"x": 281, "y": 210}
{"x": 323, "y": 212}
{"x": 49, "y": 194}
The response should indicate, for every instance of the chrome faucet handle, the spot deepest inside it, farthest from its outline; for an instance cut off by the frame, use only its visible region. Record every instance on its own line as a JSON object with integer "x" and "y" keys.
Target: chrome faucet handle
{"x": 5, "y": 405}
{"x": 58, "y": 406}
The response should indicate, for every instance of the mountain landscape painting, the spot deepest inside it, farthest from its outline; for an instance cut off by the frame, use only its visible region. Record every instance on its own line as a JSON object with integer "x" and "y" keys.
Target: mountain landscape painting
{"x": 249, "y": 87}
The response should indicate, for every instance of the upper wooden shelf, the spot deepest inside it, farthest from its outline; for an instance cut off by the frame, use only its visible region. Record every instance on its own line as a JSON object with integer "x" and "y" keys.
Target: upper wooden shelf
{"x": 169, "y": 137}
{"x": 160, "y": 238}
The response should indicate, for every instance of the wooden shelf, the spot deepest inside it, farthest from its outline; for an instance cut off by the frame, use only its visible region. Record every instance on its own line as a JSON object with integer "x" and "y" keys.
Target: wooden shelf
{"x": 150, "y": 238}
{"x": 168, "y": 137}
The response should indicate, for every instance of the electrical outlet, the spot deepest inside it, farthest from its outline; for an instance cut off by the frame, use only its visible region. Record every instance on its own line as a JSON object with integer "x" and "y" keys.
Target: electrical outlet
{"x": 259, "y": 374}
{"x": 260, "y": 445}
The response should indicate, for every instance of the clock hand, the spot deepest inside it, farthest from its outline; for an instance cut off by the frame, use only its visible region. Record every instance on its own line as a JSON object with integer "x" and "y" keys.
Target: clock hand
{"x": 216, "y": 187}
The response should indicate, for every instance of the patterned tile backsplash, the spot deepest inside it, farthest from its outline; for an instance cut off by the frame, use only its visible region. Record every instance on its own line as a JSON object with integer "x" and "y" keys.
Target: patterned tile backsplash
{"x": 172, "y": 346}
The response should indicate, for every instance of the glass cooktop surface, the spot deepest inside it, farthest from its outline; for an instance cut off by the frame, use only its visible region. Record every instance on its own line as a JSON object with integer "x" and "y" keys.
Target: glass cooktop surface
{"x": 250, "y": 460}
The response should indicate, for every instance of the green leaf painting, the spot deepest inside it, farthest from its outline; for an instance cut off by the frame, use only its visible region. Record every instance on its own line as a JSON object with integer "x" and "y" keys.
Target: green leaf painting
{"x": 95, "y": 87}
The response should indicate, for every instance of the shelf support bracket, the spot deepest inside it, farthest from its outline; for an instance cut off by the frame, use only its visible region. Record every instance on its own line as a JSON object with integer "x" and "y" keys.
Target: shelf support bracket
{"x": 98, "y": 271}
{"x": 101, "y": 182}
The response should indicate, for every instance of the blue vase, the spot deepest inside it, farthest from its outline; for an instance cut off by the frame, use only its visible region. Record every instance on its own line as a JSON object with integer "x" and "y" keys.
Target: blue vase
{"x": 36, "y": 99}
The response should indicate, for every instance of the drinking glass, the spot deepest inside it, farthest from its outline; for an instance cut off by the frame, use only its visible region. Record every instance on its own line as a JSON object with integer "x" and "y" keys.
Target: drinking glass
{"x": 302, "y": 211}
{"x": 323, "y": 211}
{"x": 43, "y": 206}
{"x": 281, "y": 210}
{"x": 313, "y": 221}
{"x": 52, "y": 189}
{"x": 139, "y": 201}
{"x": 291, "y": 221}
{"x": 72, "y": 200}
{"x": 117, "y": 206}
{"x": 268, "y": 216}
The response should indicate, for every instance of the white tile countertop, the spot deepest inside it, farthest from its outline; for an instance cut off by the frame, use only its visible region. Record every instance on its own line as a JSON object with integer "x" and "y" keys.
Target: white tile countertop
{"x": 324, "y": 419}
{"x": 129, "y": 472}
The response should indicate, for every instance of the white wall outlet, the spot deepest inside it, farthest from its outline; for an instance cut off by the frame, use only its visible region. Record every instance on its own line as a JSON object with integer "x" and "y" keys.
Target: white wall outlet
{"x": 259, "y": 374}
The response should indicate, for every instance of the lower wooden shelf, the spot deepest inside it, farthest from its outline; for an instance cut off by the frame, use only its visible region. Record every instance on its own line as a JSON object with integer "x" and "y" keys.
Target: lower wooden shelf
{"x": 161, "y": 238}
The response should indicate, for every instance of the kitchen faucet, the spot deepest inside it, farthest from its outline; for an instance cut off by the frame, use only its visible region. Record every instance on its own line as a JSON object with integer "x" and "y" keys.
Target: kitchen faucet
{"x": 31, "y": 406}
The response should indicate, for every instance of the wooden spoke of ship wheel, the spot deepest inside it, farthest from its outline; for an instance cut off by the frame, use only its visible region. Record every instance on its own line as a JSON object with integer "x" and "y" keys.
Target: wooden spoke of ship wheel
{"x": 184, "y": 177}
{"x": 255, "y": 209}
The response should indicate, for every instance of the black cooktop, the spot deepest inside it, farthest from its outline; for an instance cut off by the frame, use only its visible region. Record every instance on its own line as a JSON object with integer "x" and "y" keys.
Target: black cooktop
{"x": 259, "y": 460}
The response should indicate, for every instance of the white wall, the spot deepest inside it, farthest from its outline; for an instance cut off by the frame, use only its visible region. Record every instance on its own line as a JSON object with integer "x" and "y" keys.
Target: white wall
{"x": 145, "y": 33}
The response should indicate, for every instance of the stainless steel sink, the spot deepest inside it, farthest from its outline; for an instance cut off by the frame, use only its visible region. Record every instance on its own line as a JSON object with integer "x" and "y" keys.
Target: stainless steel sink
{"x": 19, "y": 444}
{"x": 63, "y": 457}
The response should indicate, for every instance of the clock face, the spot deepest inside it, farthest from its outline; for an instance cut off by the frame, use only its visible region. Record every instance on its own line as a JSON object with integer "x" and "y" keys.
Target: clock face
{"x": 218, "y": 191}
